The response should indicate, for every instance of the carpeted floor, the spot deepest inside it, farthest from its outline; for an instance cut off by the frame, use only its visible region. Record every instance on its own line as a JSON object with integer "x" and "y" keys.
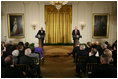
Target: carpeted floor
{"x": 57, "y": 63}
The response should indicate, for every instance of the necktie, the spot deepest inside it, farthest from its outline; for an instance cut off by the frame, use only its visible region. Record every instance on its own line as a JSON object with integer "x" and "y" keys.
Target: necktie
{"x": 75, "y": 32}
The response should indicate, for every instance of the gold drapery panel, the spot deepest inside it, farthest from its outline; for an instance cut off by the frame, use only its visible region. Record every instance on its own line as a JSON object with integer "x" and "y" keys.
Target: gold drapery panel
{"x": 58, "y": 24}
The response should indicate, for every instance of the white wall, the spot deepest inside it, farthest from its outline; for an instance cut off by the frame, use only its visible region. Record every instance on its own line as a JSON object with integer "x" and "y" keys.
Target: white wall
{"x": 81, "y": 12}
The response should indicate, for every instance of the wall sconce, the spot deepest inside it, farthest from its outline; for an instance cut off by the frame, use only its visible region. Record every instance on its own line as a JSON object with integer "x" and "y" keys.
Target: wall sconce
{"x": 82, "y": 25}
{"x": 34, "y": 26}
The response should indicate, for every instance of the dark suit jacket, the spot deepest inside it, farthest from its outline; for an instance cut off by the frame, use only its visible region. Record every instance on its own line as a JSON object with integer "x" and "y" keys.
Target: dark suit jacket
{"x": 11, "y": 72}
{"x": 42, "y": 34}
{"x": 75, "y": 50}
{"x": 92, "y": 59}
{"x": 73, "y": 33}
{"x": 114, "y": 56}
{"x": 104, "y": 71}
{"x": 26, "y": 60}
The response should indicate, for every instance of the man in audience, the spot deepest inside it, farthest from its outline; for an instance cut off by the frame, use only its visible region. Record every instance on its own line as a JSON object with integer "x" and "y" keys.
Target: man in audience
{"x": 81, "y": 60}
{"x": 26, "y": 59}
{"x": 10, "y": 71}
{"x": 88, "y": 48}
{"x": 104, "y": 70}
{"x": 103, "y": 47}
{"x": 33, "y": 54}
{"x": 92, "y": 58}
{"x": 97, "y": 46}
{"x": 76, "y": 50}
{"x": 15, "y": 55}
{"x": 21, "y": 50}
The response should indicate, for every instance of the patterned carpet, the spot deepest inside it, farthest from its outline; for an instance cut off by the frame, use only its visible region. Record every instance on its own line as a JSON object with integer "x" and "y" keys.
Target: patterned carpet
{"x": 57, "y": 63}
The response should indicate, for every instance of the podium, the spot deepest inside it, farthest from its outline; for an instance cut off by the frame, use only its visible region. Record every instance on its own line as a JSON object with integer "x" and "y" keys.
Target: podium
{"x": 40, "y": 43}
{"x": 40, "y": 40}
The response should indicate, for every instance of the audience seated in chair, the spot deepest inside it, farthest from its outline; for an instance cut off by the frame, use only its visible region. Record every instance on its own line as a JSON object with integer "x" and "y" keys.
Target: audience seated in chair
{"x": 9, "y": 71}
{"x": 36, "y": 55}
{"x": 21, "y": 50}
{"x": 15, "y": 55}
{"x": 88, "y": 48}
{"x": 105, "y": 70}
{"x": 92, "y": 58}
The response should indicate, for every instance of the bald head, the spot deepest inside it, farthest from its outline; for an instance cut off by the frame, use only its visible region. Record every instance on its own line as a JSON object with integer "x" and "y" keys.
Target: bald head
{"x": 8, "y": 60}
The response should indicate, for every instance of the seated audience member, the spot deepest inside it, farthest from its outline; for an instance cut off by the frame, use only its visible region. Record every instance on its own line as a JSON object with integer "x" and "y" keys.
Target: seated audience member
{"x": 97, "y": 46}
{"x": 26, "y": 59}
{"x": 14, "y": 47}
{"x": 88, "y": 48}
{"x": 81, "y": 60}
{"x": 21, "y": 43}
{"x": 4, "y": 48}
{"x": 109, "y": 53}
{"x": 104, "y": 70}
{"x": 15, "y": 55}
{"x": 103, "y": 47}
{"x": 9, "y": 48}
{"x": 33, "y": 54}
{"x": 108, "y": 45}
{"x": 39, "y": 50}
{"x": 75, "y": 50}
{"x": 10, "y": 71}
{"x": 26, "y": 45}
{"x": 115, "y": 43}
{"x": 92, "y": 58}
{"x": 21, "y": 50}
{"x": 2, "y": 57}
{"x": 114, "y": 55}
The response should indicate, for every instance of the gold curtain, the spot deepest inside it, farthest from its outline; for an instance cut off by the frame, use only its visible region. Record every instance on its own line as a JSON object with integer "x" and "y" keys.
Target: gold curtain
{"x": 58, "y": 24}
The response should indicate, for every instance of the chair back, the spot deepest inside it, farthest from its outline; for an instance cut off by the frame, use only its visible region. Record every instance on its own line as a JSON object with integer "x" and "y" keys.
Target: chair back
{"x": 90, "y": 67}
{"x": 23, "y": 67}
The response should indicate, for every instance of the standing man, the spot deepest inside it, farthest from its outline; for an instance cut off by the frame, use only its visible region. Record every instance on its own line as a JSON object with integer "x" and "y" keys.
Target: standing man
{"x": 76, "y": 35}
{"x": 41, "y": 35}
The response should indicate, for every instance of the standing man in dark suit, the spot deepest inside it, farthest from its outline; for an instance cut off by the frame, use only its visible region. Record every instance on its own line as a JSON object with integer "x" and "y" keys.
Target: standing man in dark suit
{"x": 76, "y": 35}
{"x": 41, "y": 35}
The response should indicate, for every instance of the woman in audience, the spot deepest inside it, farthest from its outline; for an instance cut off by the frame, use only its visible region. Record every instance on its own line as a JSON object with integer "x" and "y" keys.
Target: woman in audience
{"x": 26, "y": 45}
{"x": 109, "y": 53}
{"x": 21, "y": 50}
{"x": 4, "y": 48}
{"x": 15, "y": 55}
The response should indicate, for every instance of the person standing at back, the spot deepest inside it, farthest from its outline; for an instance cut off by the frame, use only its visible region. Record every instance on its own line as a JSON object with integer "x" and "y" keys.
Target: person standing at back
{"x": 76, "y": 35}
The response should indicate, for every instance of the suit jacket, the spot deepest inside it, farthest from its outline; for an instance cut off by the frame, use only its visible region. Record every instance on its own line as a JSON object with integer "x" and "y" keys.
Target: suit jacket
{"x": 114, "y": 56}
{"x": 73, "y": 33}
{"x": 11, "y": 72}
{"x": 104, "y": 71}
{"x": 41, "y": 34}
{"x": 92, "y": 59}
{"x": 26, "y": 60}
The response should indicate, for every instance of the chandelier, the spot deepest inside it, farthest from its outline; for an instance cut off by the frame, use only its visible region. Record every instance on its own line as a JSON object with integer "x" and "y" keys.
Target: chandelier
{"x": 58, "y": 4}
